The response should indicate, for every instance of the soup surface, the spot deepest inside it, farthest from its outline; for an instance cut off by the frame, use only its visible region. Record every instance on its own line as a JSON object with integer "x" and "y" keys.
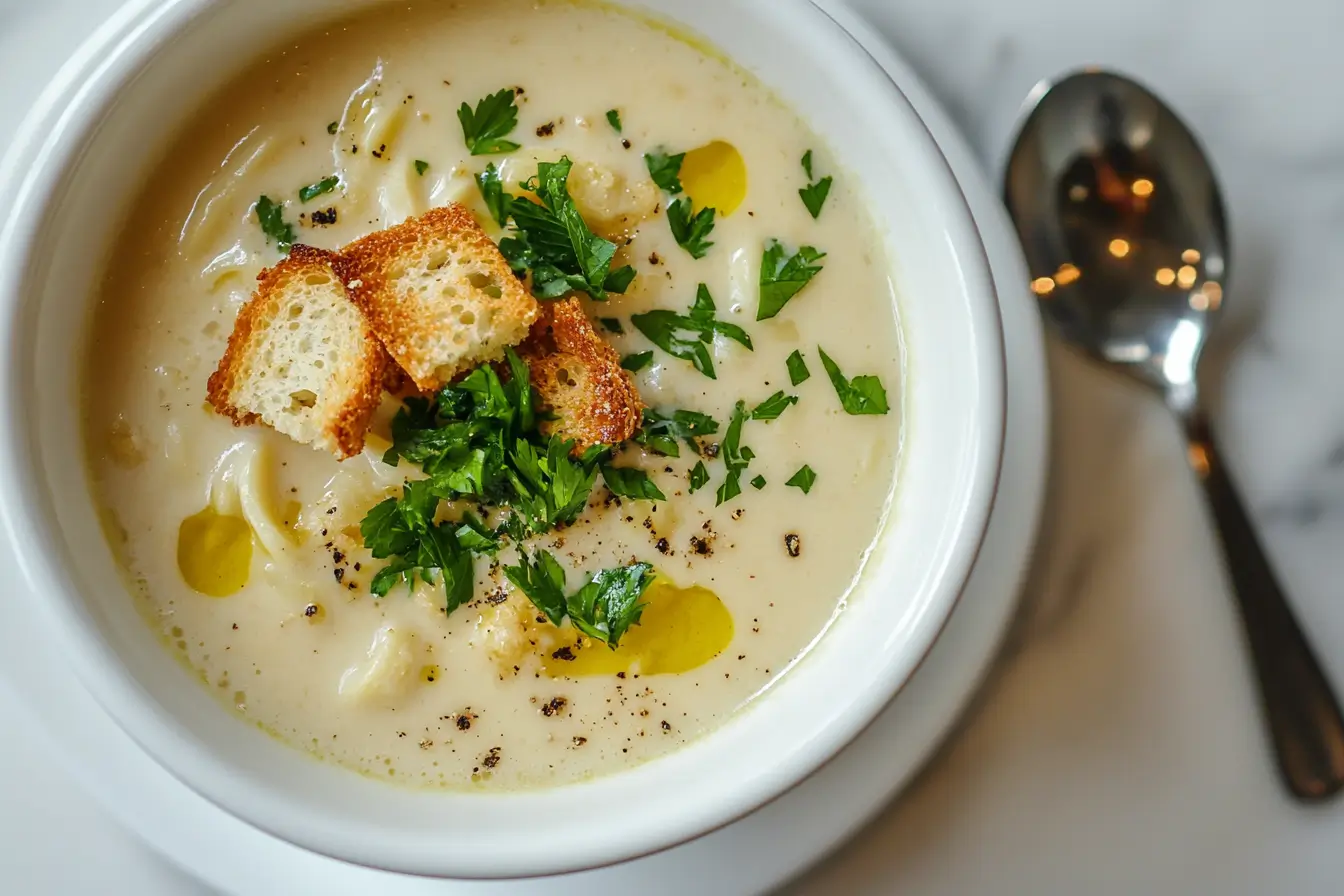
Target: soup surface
{"x": 244, "y": 548}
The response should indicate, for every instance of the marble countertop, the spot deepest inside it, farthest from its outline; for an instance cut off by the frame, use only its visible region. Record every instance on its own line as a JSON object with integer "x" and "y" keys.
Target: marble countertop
{"x": 1119, "y": 749}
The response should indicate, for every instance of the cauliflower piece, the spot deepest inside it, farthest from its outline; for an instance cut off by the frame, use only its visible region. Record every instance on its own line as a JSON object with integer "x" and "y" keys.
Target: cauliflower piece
{"x": 510, "y": 634}
{"x": 613, "y": 205}
{"x": 386, "y": 672}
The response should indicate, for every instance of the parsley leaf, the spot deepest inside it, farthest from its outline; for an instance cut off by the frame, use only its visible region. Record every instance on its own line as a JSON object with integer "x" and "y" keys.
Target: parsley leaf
{"x": 604, "y": 609}
{"x": 798, "y": 372}
{"x": 772, "y": 407}
{"x": 690, "y": 230}
{"x": 782, "y": 276}
{"x": 612, "y": 325}
{"x": 499, "y": 202}
{"x": 404, "y": 530}
{"x": 543, "y": 581}
{"x": 699, "y": 476}
{"x": 273, "y": 224}
{"x": 660, "y": 432}
{"x": 483, "y": 130}
{"x": 325, "y": 185}
{"x": 555, "y": 244}
{"x": 421, "y": 166}
{"x": 803, "y": 479}
{"x": 686, "y": 336}
{"x": 614, "y": 119}
{"x": 735, "y": 458}
{"x": 608, "y": 605}
{"x": 665, "y": 170}
{"x": 814, "y": 195}
{"x": 861, "y": 395}
{"x": 637, "y": 362}
{"x": 758, "y": 483}
{"x": 629, "y": 482}
{"x": 333, "y": 127}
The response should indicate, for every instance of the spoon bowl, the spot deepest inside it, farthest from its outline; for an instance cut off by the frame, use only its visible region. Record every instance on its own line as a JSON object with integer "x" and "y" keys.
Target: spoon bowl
{"x": 1123, "y": 226}
{"x": 1126, "y": 239}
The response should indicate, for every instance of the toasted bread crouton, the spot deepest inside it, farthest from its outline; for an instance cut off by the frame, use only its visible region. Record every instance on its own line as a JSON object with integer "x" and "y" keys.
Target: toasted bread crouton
{"x": 302, "y": 358}
{"x": 579, "y": 378}
{"x": 438, "y": 294}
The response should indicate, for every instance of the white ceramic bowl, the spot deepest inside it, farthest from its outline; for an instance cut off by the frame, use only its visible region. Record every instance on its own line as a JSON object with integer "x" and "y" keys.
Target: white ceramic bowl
{"x": 67, "y": 181}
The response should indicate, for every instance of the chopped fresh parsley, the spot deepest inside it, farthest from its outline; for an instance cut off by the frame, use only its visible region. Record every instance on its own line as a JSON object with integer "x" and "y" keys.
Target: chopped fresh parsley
{"x": 735, "y": 457}
{"x": 699, "y": 476}
{"x": 783, "y": 275}
{"x": 325, "y": 185}
{"x": 798, "y": 372}
{"x": 660, "y": 431}
{"x": 861, "y": 395}
{"x": 403, "y": 530}
{"x": 496, "y": 199}
{"x": 690, "y": 230}
{"x": 612, "y": 325}
{"x": 772, "y": 407}
{"x": 686, "y": 336}
{"x": 604, "y": 609}
{"x": 273, "y": 224}
{"x": 614, "y": 119}
{"x": 629, "y": 482}
{"x": 552, "y": 241}
{"x": 484, "y": 129}
{"x": 421, "y": 166}
{"x": 815, "y": 193}
{"x": 637, "y": 362}
{"x": 333, "y": 127}
{"x": 803, "y": 479}
{"x": 665, "y": 170}
{"x": 758, "y": 482}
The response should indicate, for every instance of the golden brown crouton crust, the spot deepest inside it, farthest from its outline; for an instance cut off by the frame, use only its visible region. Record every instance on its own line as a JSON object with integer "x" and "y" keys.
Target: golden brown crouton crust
{"x": 351, "y": 423}
{"x": 579, "y": 377}
{"x": 369, "y": 264}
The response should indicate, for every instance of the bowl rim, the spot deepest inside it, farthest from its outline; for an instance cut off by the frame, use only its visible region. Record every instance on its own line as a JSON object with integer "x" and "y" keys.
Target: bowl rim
{"x": 69, "y": 108}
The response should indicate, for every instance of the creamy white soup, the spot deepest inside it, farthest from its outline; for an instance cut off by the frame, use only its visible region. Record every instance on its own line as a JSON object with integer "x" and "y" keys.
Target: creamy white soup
{"x": 244, "y": 549}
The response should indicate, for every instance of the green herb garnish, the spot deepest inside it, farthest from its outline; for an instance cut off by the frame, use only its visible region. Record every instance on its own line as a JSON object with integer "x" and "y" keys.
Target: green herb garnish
{"x": 421, "y": 166}
{"x": 497, "y": 201}
{"x": 614, "y": 119}
{"x": 783, "y": 275}
{"x": 660, "y": 432}
{"x": 690, "y": 230}
{"x": 483, "y": 130}
{"x": 772, "y": 407}
{"x": 798, "y": 371}
{"x": 333, "y": 127}
{"x": 861, "y": 395}
{"x": 699, "y": 476}
{"x": 629, "y": 482}
{"x": 815, "y": 193}
{"x": 637, "y": 362}
{"x": 325, "y": 185}
{"x": 273, "y": 224}
{"x": 612, "y": 325}
{"x": 735, "y": 457}
{"x": 758, "y": 482}
{"x": 553, "y": 242}
{"x": 686, "y": 336}
{"x": 403, "y": 530}
{"x": 803, "y": 479}
{"x": 665, "y": 170}
{"x": 603, "y": 609}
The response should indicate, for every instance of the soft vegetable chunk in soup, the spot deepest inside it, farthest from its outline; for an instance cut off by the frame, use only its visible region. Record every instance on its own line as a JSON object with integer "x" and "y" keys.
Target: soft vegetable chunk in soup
{"x": 770, "y": 321}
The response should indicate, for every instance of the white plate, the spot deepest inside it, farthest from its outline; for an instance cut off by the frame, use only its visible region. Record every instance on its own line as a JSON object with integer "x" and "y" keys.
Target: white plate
{"x": 755, "y": 854}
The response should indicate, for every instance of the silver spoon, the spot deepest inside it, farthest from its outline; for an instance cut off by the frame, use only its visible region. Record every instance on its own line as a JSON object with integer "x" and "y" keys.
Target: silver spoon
{"x": 1123, "y": 226}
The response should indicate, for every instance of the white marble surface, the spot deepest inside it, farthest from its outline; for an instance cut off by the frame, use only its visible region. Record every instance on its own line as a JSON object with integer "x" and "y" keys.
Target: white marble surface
{"x": 1119, "y": 749}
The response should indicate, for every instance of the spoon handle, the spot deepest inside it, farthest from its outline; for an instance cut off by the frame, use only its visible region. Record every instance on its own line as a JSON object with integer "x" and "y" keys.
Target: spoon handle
{"x": 1299, "y": 705}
